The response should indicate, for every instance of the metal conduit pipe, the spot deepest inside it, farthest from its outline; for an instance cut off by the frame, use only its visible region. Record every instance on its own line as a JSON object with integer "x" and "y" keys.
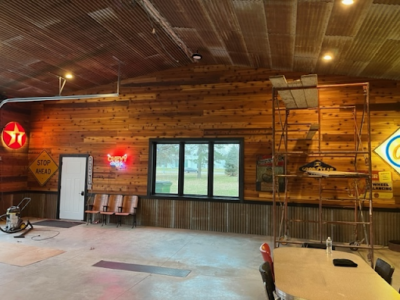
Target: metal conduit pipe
{"x": 72, "y": 97}
{"x": 34, "y": 99}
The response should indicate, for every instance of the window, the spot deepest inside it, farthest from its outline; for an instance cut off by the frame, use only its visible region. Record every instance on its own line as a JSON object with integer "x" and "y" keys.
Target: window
{"x": 196, "y": 168}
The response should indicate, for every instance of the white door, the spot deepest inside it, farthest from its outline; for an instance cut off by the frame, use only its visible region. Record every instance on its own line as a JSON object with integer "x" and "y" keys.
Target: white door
{"x": 72, "y": 192}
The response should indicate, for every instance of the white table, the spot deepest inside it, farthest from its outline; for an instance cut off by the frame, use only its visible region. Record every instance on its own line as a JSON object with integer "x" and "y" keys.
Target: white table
{"x": 306, "y": 273}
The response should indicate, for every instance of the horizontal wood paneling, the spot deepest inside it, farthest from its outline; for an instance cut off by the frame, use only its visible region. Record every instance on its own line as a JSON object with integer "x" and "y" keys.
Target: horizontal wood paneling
{"x": 195, "y": 101}
{"x": 41, "y": 205}
{"x": 14, "y": 163}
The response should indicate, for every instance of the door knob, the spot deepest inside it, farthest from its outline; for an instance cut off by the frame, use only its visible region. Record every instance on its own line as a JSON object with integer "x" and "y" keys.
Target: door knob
{"x": 82, "y": 193}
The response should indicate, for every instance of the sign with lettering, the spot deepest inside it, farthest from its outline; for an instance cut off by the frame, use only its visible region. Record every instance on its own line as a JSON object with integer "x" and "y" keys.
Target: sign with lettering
{"x": 317, "y": 165}
{"x": 389, "y": 150}
{"x": 382, "y": 186}
{"x": 117, "y": 161}
{"x": 43, "y": 167}
{"x": 264, "y": 178}
{"x": 90, "y": 173}
{"x": 13, "y": 135}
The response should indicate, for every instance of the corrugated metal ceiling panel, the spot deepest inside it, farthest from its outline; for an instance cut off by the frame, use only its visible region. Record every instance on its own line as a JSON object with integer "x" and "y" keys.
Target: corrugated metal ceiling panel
{"x": 253, "y": 24}
{"x": 346, "y": 20}
{"x": 385, "y": 59}
{"x": 335, "y": 45}
{"x": 378, "y": 24}
{"x": 42, "y": 39}
{"x": 281, "y": 23}
{"x": 312, "y": 20}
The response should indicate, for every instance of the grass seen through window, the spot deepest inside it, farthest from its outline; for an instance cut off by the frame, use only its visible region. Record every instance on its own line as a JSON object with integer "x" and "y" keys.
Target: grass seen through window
{"x": 223, "y": 184}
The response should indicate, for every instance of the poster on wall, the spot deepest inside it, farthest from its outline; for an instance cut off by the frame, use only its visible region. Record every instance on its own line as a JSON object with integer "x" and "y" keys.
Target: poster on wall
{"x": 382, "y": 186}
{"x": 389, "y": 150}
{"x": 264, "y": 173}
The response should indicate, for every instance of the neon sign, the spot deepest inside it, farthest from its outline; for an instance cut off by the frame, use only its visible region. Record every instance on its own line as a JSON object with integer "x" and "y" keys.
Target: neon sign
{"x": 116, "y": 161}
{"x": 389, "y": 150}
{"x": 13, "y": 135}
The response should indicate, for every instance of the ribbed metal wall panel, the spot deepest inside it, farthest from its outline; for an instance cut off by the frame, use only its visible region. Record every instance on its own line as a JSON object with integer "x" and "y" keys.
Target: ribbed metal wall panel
{"x": 148, "y": 212}
{"x": 181, "y": 208}
{"x": 218, "y": 217}
{"x": 386, "y": 227}
{"x": 232, "y": 217}
{"x": 199, "y": 215}
{"x": 237, "y": 218}
{"x": 257, "y": 219}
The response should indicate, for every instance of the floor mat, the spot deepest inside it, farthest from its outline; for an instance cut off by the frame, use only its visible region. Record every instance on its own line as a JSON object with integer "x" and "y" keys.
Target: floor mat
{"x": 57, "y": 223}
{"x": 23, "y": 255}
{"x": 142, "y": 268}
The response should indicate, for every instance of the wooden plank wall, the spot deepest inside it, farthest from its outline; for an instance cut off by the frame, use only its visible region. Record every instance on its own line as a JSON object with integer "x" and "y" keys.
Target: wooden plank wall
{"x": 13, "y": 163}
{"x": 41, "y": 205}
{"x": 199, "y": 101}
{"x": 196, "y": 101}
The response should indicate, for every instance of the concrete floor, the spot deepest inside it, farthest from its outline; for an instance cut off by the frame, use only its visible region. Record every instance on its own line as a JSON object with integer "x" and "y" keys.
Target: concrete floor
{"x": 222, "y": 265}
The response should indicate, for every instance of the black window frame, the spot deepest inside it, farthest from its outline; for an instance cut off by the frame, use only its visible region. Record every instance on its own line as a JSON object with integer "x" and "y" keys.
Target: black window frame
{"x": 151, "y": 179}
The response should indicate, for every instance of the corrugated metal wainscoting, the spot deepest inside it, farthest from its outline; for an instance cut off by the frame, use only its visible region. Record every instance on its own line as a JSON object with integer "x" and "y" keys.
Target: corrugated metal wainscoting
{"x": 257, "y": 219}
{"x": 243, "y": 218}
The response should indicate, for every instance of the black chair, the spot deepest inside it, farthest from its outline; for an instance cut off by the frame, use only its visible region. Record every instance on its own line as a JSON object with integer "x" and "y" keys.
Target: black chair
{"x": 316, "y": 246}
{"x": 384, "y": 269}
{"x": 266, "y": 275}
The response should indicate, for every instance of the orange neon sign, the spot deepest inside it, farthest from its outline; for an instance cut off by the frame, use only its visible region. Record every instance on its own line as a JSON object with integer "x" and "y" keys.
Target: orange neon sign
{"x": 117, "y": 161}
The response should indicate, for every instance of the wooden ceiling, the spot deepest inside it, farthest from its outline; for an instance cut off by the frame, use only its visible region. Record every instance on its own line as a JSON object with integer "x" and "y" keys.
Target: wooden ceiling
{"x": 43, "y": 39}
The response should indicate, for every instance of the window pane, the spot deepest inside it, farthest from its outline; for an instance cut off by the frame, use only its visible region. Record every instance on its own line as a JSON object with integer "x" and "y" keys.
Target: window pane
{"x": 196, "y": 171}
{"x": 167, "y": 161}
{"x": 226, "y": 170}
{"x": 190, "y": 168}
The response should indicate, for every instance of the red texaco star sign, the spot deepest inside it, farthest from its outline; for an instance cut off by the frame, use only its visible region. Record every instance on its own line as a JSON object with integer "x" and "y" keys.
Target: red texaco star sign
{"x": 14, "y": 135}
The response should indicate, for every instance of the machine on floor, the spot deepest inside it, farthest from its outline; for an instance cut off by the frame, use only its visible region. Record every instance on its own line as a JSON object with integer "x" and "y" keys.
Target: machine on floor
{"x": 13, "y": 220}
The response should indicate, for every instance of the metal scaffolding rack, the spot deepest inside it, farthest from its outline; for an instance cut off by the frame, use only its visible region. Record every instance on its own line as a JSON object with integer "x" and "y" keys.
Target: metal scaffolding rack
{"x": 304, "y": 95}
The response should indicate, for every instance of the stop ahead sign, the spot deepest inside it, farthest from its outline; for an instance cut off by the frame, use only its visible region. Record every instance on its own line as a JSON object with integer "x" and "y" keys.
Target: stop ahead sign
{"x": 43, "y": 167}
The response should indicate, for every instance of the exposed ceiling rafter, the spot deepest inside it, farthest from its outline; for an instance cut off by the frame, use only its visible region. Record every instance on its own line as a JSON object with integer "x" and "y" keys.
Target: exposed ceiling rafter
{"x": 155, "y": 14}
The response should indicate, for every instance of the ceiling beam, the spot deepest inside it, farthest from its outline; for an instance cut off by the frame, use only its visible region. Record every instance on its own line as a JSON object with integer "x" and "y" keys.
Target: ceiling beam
{"x": 154, "y": 13}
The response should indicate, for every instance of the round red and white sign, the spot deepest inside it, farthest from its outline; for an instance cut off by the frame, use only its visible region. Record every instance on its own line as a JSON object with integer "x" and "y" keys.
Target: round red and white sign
{"x": 14, "y": 135}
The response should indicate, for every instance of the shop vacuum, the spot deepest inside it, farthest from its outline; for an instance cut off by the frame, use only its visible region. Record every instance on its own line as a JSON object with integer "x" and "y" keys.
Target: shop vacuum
{"x": 14, "y": 223}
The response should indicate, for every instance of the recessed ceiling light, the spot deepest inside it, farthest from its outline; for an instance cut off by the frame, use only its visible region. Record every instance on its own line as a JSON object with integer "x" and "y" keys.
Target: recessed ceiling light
{"x": 196, "y": 56}
{"x": 327, "y": 57}
{"x": 68, "y": 76}
{"x": 347, "y": 2}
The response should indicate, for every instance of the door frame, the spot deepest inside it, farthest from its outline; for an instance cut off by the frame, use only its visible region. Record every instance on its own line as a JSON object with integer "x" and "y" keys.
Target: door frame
{"x": 59, "y": 181}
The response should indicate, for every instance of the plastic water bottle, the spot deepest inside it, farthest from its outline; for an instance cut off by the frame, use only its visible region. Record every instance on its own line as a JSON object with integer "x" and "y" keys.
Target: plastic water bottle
{"x": 328, "y": 245}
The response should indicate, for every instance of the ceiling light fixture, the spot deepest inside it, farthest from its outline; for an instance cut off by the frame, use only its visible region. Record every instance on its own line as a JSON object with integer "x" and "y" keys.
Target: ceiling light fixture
{"x": 197, "y": 56}
{"x": 62, "y": 81}
{"x": 347, "y": 2}
{"x": 327, "y": 57}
